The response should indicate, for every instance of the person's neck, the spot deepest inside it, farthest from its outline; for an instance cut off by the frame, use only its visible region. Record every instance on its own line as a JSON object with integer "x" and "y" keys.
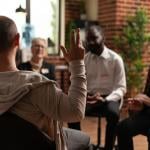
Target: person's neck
{"x": 8, "y": 59}
{"x": 8, "y": 64}
{"x": 37, "y": 60}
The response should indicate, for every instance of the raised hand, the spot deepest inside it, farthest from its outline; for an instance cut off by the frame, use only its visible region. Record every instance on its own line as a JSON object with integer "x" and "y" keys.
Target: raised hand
{"x": 76, "y": 51}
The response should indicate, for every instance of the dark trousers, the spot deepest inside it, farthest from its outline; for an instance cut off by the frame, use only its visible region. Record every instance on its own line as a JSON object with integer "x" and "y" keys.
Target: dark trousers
{"x": 110, "y": 110}
{"x": 138, "y": 123}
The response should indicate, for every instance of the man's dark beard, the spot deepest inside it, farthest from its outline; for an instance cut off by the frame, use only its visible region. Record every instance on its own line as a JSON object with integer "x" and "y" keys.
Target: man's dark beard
{"x": 94, "y": 48}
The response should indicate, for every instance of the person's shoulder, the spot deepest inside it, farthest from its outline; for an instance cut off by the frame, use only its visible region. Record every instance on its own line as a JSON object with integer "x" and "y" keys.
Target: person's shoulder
{"x": 32, "y": 76}
{"x": 87, "y": 55}
{"x": 34, "y": 80}
{"x": 114, "y": 54}
{"x": 29, "y": 73}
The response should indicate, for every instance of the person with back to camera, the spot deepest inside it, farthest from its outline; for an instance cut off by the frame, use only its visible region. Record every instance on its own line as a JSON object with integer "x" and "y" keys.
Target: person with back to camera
{"x": 106, "y": 82}
{"x": 35, "y": 98}
{"x": 138, "y": 122}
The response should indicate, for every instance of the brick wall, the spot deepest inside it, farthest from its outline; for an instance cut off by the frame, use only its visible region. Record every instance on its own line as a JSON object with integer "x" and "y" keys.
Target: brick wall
{"x": 126, "y": 7}
{"x": 107, "y": 19}
{"x": 72, "y": 11}
{"x": 112, "y": 16}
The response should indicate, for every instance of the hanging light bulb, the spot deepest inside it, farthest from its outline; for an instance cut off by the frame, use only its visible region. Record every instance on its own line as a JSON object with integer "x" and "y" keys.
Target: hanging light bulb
{"x": 20, "y": 10}
{"x": 20, "y": 18}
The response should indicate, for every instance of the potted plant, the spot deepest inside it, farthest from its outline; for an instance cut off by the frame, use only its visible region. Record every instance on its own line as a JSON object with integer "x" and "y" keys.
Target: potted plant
{"x": 131, "y": 44}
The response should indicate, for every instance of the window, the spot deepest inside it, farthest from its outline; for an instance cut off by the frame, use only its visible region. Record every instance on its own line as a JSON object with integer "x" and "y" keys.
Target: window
{"x": 7, "y": 8}
{"x": 44, "y": 21}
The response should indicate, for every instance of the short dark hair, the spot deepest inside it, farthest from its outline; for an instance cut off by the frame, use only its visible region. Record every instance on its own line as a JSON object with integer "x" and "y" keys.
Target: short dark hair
{"x": 8, "y": 31}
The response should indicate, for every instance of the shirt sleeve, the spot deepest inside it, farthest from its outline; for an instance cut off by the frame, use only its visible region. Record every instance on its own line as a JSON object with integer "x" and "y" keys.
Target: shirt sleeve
{"x": 66, "y": 107}
{"x": 119, "y": 88}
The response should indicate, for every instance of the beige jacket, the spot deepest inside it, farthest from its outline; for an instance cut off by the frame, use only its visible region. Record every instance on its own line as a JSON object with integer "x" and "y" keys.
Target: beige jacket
{"x": 39, "y": 101}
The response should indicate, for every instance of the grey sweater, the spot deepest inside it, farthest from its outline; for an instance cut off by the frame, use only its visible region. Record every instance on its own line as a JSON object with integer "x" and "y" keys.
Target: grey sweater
{"x": 39, "y": 101}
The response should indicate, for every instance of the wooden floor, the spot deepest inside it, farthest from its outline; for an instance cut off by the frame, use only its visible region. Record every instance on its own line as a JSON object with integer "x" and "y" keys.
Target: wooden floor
{"x": 89, "y": 125}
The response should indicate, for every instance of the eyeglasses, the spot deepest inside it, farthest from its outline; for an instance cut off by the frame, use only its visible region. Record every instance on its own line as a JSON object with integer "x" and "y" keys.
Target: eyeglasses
{"x": 39, "y": 46}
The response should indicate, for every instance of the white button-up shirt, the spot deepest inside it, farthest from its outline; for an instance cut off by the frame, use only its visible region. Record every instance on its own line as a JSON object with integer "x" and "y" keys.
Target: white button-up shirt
{"x": 106, "y": 74}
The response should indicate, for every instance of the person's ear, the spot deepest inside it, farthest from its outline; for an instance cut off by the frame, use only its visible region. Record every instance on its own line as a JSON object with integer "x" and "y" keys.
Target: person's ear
{"x": 16, "y": 40}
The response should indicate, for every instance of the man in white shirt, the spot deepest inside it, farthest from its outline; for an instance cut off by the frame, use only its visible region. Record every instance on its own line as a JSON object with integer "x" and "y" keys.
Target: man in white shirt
{"x": 106, "y": 82}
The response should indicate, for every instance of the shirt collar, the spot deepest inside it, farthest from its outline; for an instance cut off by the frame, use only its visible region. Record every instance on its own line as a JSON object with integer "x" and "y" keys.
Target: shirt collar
{"x": 105, "y": 53}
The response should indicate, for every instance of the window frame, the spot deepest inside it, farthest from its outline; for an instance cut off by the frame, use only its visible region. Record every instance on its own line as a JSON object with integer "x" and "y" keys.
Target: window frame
{"x": 61, "y": 28}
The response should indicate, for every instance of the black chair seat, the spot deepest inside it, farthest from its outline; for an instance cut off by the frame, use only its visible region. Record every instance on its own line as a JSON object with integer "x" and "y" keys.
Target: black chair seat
{"x": 18, "y": 134}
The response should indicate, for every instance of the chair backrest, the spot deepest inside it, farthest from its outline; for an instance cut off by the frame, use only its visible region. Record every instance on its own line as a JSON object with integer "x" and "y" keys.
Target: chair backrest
{"x": 18, "y": 134}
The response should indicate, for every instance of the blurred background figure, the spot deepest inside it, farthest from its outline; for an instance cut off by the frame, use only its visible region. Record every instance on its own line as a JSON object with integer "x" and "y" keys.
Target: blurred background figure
{"x": 37, "y": 63}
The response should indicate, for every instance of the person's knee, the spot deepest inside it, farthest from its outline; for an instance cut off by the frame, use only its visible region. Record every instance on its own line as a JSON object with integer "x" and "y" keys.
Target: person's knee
{"x": 76, "y": 139}
{"x": 86, "y": 142}
{"x": 113, "y": 112}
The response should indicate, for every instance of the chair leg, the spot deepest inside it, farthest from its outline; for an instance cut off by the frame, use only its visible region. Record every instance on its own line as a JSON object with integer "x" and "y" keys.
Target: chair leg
{"x": 97, "y": 146}
{"x": 99, "y": 132}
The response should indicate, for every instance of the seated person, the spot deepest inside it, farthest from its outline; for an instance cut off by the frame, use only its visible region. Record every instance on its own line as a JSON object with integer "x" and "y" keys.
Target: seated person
{"x": 138, "y": 122}
{"x": 38, "y": 100}
{"x": 37, "y": 63}
{"x": 106, "y": 82}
